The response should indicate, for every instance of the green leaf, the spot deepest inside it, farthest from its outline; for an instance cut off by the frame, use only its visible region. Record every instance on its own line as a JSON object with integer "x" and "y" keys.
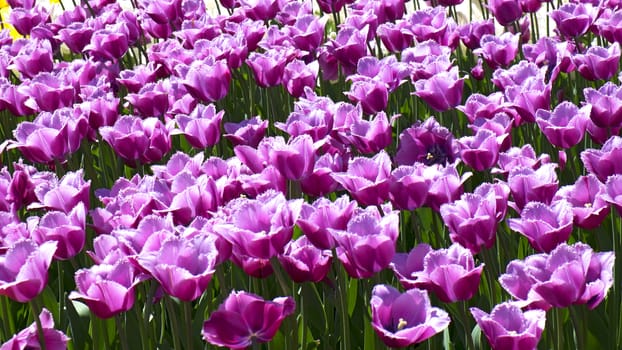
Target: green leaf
{"x": 79, "y": 319}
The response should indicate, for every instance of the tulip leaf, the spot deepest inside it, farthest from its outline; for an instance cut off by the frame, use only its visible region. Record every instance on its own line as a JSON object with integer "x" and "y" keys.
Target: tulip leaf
{"x": 79, "y": 318}
{"x": 352, "y": 295}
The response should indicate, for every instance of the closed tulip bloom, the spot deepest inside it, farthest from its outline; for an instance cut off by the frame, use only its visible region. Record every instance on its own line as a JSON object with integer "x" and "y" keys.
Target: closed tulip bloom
{"x": 508, "y": 327}
{"x": 446, "y": 185}
{"x": 207, "y": 80}
{"x": 605, "y": 161}
{"x": 67, "y": 229}
{"x": 505, "y": 11}
{"x": 320, "y": 182}
{"x": 315, "y": 219}
{"x": 48, "y": 93}
{"x": 574, "y": 20}
{"x": 564, "y": 126}
{"x": 613, "y": 192}
{"x": 498, "y": 51}
{"x": 297, "y": 76}
{"x": 107, "y": 290}
{"x": 135, "y": 139}
{"x": 471, "y": 33}
{"x": 442, "y": 91}
{"x": 528, "y": 185}
{"x": 373, "y": 135}
{"x": 107, "y": 45}
{"x": 480, "y": 151}
{"x": 408, "y": 187}
{"x": 403, "y": 319}
{"x": 472, "y": 220}
{"x": 24, "y": 269}
{"x": 51, "y": 136}
{"x": 367, "y": 245}
{"x": 28, "y": 338}
{"x": 247, "y": 132}
{"x": 304, "y": 262}
{"x": 588, "y": 199}
{"x": 268, "y": 67}
{"x": 394, "y": 37}
{"x": 599, "y": 63}
{"x": 295, "y": 159}
{"x": 517, "y": 157}
{"x": 33, "y": 57}
{"x": 606, "y": 105}
{"x": 201, "y": 127}
{"x": 349, "y": 46}
{"x": 182, "y": 266}
{"x": 544, "y": 226}
{"x": 367, "y": 179}
{"x": 245, "y": 318}
{"x": 63, "y": 194}
{"x": 529, "y": 96}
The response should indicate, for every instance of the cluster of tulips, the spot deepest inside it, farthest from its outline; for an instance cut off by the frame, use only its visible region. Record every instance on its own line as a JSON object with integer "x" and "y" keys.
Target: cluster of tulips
{"x": 298, "y": 174}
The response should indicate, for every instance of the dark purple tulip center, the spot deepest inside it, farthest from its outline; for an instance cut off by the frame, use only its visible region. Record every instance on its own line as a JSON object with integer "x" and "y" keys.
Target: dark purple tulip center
{"x": 435, "y": 155}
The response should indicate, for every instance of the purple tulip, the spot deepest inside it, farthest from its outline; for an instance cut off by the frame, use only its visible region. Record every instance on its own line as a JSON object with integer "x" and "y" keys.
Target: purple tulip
{"x": 268, "y": 67}
{"x": 570, "y": 274}
{"x": 613, "y": 192}
{"x": 152, "y": 100}
{"x": 565, "y": 126}
{"x": 349, "y": 46}
{"x": 107, "y": 45}
{"x": 51, "y": 136}
{"x": 432, "y": 23}
{"x": 519, "y": 157}
{"x": 245, "y": 318}
{"x": 291, "y": 11}
{"x": 505, "y": 11}
{"x": 544, "y": 226}
{"x": 446, "y": 185}
{"x": 599, "y": 63}
{"x": 604, "y": 162}
{"x": 574, "y": 20}
{"x": 319, "y": 181}
{"x": 606, "y": 105}
{"x": 295, "y": 159}
{"x": 426, "y": 142}
{"x": 553, "y": 53}
{"x": 610, "y": 27}
{"x": 67, "y": 229}
{"x": 304, "y": 262}
{"x": 408, "y": 187}
{"x": 207, "y": 80}
{"x": 478, "y": 106}
{"x": 107, "y": 290}
{"x": 587, "y": 196}
{"x": 260, "y": 227}
{"x": 403, "y": 319}
{"x": 372, "y": 94}
{"x": 508, "y": 327}
{"x": 48, "y": 93}
{"x": 312, "y": 115}
{"x": 367, "y": 245}
{"x": 472, "y": 220}
{"x": 76, "y": 36}
{"x": 28, "y": 338}
{"x": 498, "y": 51}
{"x": 24, "y": 269}
{"x": 394, "y": 36}
{"x": 134, "y": 139}
{"x": 248, "y": 132}
{"x": 480, "y": 151}
{"x": 317, "y": 218}
{"x": 306, "y": 32}
{"x": 63, "y": 194}
{"x": 193, "y": 197}
{"x": 24, "y": 20}
{"x": 202, "y": 127}
{"x": 297, "y": 76}
{"x": 528, "y": 185}
{"x": 471, "y": 33}
{"x": 367, "y": 179}
{"x": 442, "y": 91}
{"x": 373, "y": 135}
{"x": 182, "y": 266}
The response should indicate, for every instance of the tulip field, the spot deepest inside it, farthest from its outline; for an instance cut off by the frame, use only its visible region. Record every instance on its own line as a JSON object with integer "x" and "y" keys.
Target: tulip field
{"x": 310, "y": 174}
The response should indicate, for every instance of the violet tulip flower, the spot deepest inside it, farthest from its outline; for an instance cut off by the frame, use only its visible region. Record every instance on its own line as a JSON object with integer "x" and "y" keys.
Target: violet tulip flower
{"x": 297, "y": 76}
{"x": 373, "y": 135}
{"x": 295, "y": 159}
{"x": 442, "y": 91}
{"x": 24, "y": 269}
{"x": 606, "y": 105}
{"x": 28, "y": 338}
{"x": 107, "y": 290}
{"x": 570, "y": 274}
{"x": 207, "y": 80}
{"x": 519, "y": 157}
{"x": 544, "y": 226}
{"x": 201, "y": 127}
{"x": 599, "y": 63}
{"x": 574, "y": 20}
{"x": 498, "y": 51}
{"x": 613, "y": 192}
{"x": 304, "y": 262}
{"x": 481, "y": 151}
{"x": 107, "y": 44}
{"x": 367, "y": 245}
{"x": 528, "y": 185}
{"x": 248, "y": 132}
{"x": 408, "y": 186}
{"x": 182, "y": 266}
{"x": 604, "y": 162}
{"x": 472, "y": 220}
{"x": 245, "y": 318}
{"x": 403, "y": 319}
{"x": 508, "y": 327}
{"x": 260, "y": 227}
{"x": 587, "y": 196}
{"x": 505, "y": 11}
{"x": 449, "y": 273}
{"x": 564, "y": 126}
{"x": 367, "y": 179}
{"x": 63, "y": 194}
{"x": 319, "y": 182}
{"x": 67, "y": 229}
{"x": 446, "y": 185}
{"x": 315, "y": 219}
{"x": 426, "y": 142}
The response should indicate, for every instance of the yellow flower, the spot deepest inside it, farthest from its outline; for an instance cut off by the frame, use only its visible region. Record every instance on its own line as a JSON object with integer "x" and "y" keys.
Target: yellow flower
{"x": 4, "y": 15}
